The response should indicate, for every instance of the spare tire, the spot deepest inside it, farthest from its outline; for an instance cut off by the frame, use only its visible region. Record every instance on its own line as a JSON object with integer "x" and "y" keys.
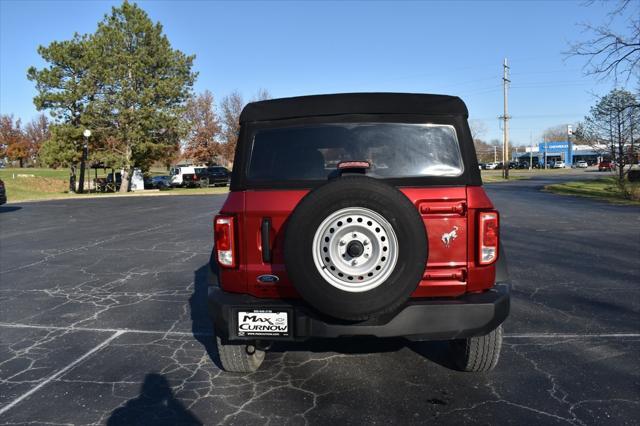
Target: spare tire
{"x": 355, "y": 248}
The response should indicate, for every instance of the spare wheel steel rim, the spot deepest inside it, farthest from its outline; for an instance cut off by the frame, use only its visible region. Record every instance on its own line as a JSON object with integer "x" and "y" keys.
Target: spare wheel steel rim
{"x": 355, "y": 249}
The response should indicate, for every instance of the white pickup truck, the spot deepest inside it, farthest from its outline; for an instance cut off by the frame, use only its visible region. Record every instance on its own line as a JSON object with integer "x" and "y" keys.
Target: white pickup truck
{"x": 178, "y": 174}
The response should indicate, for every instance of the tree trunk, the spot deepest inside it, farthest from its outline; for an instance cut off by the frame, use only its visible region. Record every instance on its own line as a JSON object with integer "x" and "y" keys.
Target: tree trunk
{"x": 126, "y": 170}
{"x": 124, "y": 186}
{"x": 72, "y": 178}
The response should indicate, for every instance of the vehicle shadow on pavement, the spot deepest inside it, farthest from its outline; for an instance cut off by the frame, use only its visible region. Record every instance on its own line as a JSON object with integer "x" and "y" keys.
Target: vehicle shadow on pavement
{"x": 435, "y": 351}
{"x": 201, "y": 325}
{"x": 7, "y": 209}
{"x": 155, "y": 405}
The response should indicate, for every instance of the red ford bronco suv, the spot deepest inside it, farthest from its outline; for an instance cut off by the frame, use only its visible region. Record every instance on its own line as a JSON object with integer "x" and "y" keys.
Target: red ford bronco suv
{"x": 357, "y": 215}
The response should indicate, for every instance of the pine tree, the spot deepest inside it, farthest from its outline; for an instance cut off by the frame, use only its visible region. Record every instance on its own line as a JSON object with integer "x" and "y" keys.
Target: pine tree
{"x": 65, "y": 88}
{"x": 144, "y": 85}
{"x": 125, "y": 83}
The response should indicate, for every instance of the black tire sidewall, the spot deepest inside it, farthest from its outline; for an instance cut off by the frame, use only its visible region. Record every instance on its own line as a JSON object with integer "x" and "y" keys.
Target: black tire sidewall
{"x": 355, "y": 191}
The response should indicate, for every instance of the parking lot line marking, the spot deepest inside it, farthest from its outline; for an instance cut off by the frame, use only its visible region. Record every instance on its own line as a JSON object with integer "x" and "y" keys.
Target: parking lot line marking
{"x": 205, "y": 333}
{"x": 59, "y": 373}
{"x": 106, "y": 330}
{"x": 568, "y": 335}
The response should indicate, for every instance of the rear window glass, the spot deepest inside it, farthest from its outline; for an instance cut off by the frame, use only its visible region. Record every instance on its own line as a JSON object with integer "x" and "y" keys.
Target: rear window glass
{"x": 394, "y": 150}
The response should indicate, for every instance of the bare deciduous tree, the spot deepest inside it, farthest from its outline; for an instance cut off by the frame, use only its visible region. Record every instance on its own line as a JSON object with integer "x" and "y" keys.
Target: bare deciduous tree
{"x": 262, "y": 95}
{"x": 613, "y": 126}
{"x": 608, "y": 51}
{"x": 231, "y": 107}
{"x": 478, "y": 129}
{"x": 555, "y": 133}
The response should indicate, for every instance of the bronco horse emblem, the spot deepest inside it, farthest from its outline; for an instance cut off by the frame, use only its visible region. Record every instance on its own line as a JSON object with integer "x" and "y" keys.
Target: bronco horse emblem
{"x": 449, "y": 236}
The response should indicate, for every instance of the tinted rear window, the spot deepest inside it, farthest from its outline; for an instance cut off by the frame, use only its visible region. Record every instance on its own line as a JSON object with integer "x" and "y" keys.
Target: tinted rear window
{"x": 394, "y": 150}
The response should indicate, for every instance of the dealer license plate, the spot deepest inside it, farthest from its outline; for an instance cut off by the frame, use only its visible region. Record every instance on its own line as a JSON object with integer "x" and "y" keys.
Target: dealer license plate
{"x": 263, "y": 323}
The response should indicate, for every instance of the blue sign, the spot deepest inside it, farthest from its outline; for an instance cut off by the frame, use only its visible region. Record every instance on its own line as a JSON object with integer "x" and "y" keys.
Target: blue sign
{"x": 554, "y": 146}
{"x": 558, "y": 147}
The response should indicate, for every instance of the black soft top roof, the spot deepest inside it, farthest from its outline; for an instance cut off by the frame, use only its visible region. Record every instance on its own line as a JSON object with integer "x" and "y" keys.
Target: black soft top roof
{"x": 353, "y": 103}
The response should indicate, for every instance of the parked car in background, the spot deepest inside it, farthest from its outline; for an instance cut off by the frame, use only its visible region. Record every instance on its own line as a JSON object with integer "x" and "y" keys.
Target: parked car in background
{"x": 185, "y": 175}
{"x": 492, "y": 166}
{"x": 194, "y": 180}
{"x": 217, "y": 175}
{"x": 582, "y": 164}
{"x": 559, "y": 165}
{"x": 209, "y": 176}
{"x": 605, "y": 165}
{"x": 157, "y": 182}
{"x": 3, "y": 193}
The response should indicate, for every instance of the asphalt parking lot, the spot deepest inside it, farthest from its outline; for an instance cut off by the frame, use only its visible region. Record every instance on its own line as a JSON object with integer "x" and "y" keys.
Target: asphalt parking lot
{"x": 103, "y": 320}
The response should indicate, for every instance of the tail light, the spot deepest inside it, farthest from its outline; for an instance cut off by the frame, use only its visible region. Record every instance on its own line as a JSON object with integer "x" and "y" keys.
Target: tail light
{"x": 223, "y": 228}
{"x": 488, "y": 237}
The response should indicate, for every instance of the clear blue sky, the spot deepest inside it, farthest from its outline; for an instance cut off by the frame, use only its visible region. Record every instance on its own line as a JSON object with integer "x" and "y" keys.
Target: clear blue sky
{"x": 298, "y": 48}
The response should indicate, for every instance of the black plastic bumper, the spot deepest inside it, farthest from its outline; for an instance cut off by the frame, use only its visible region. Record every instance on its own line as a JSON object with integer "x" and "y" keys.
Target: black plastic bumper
{"x": 420, "y": 319}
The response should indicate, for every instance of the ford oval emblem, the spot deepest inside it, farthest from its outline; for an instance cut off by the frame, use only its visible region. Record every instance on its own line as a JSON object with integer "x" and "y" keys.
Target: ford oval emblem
{"x": 268, "y": 279}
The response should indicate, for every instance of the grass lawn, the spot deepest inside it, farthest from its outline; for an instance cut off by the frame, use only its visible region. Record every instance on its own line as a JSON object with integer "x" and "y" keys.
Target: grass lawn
{"x": 35, "y": 184}
{"x": 492, "y": 176}
{"x": 49, "y": 184}
{"x": 604, "y": 189}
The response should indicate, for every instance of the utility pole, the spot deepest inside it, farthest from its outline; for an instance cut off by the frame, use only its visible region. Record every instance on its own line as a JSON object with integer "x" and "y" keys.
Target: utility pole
{"x": 569, "y": 161}
{"x": 531, "y": 151}
{"x": 505, "y": 118}
{"x": 495, "y": 154}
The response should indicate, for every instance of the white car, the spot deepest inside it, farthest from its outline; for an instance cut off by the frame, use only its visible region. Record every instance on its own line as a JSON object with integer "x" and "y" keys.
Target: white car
{"x": 582, "y": 164}
{"x": 492, "y": 166}
{"x": 559, "y": 165}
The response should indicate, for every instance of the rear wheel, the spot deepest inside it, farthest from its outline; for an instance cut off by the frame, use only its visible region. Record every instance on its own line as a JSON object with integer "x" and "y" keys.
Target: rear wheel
{"x": 239, "y": 358}
{"x": 477, "y": 354}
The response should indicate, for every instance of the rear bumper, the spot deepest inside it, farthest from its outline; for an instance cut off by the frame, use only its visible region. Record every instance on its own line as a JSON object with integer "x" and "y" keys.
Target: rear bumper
{"x": 420, "y": 319}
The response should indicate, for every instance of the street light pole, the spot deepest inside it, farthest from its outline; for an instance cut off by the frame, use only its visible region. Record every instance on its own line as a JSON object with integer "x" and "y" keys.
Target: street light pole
{"x": 85, "y": 153}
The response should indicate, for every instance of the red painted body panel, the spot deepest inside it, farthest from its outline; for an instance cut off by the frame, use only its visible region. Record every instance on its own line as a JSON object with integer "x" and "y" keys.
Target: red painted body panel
{"x": 450, "y": 270}
{"x": 480, "y": 277}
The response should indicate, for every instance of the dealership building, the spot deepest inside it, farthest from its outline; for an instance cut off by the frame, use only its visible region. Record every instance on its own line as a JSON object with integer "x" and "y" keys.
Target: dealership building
{"x": 565, "y": 151}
